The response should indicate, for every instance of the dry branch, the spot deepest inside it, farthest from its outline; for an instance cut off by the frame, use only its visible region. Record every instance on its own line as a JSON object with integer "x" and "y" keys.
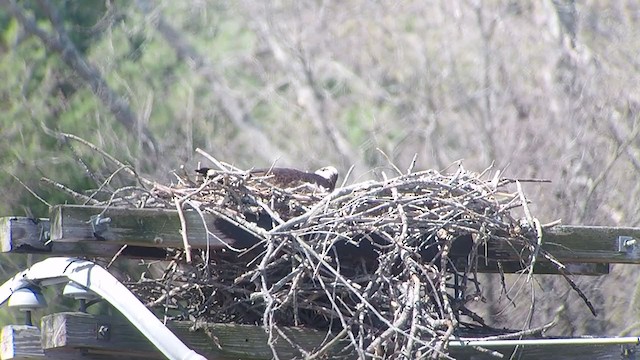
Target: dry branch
{"x": 58, "y": 41}
{"x": 387, "y": 266}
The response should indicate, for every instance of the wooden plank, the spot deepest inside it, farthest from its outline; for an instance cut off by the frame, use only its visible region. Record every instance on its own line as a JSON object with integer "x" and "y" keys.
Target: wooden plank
{"x": 62, "y": 331}
{"x": 20, "y": 342}
{"x": 232, "y": 341}
{"x": 72, "y": 234}
{"x": 23, "y": 235}
{"x": 144, "y": 227}
{"x": 544, "y": 267}
{"x": 161, "y": 228}
{"x": 66, "y": 332}
{"x": 582, "y": 244}
{"x": 563, "y": 352}
{"x": 250, "y": 342}
{"x": 82, "y": 354}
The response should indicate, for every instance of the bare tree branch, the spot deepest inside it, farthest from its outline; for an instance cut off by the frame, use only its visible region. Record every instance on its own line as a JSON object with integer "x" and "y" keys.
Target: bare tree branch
{"x": 302, "y": 79}
{"x": 60, "y": 43}
{"x": 233, "y": 108}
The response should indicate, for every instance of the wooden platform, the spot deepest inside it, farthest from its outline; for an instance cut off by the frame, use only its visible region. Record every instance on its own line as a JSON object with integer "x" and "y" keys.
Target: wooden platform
{"x": 586, "y": 250}
{"x": 94, "y": 231}
{"x": 74, "y": 335}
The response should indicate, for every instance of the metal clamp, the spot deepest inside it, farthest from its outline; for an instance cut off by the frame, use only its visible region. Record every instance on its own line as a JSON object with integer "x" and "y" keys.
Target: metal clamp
{"x": 627, "y": 244}
{"x": 103, "y": 332}
{"x": 99, "y": 225}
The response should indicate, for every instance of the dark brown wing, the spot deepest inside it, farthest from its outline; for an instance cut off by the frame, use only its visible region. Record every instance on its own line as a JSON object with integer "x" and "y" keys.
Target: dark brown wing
{"x": 203, "y": 171}
{"x": 286, "y": 177}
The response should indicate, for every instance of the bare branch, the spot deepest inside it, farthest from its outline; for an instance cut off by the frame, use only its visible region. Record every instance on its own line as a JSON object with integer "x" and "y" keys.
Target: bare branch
{"x": 233, "y": 108}
{"x": 60, "y": 43}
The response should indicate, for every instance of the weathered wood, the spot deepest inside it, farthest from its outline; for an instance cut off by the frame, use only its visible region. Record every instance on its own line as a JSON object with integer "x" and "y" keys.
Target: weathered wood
{"x": 143, "y": 227}
{"x": 231, "y": 341}
{"x": 582, "y": 244}
{"x": 24, "y": 342}
{"x": 559, "y": 352}
{"x": 161, "y": 228}
{"x": 65, "y": 332}
{"x": 592, "y": 244}
{"x": 20, "y": 342}
{"x": 545, "y": 267}
{"x": 23, "y": 235}
{"x": 215, "y": 341}
{"x": 250, "y": 342}
{"x": 146, "y": 232}
{"x": 82, "y": 354}
{"x": 28, "y": 236}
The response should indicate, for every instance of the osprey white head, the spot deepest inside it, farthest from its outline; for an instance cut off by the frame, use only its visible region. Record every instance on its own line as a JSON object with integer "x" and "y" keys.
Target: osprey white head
{"x": 330, "y": 173}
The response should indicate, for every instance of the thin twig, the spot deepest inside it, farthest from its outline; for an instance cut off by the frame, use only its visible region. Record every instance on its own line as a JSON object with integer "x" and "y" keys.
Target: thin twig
{"x": 183, "y": 230}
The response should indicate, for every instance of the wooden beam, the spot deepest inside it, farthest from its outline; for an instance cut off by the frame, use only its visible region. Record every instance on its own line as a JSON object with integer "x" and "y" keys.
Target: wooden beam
{"x": 23, "y": 235}
{"x": 250, "y": 342}
{"x": 583, "y": 244}
{"x": 161, "y": 228}
{"x": 572, "y": 245}
{"x": 63, "y": 332}
{"x": 20, "y": 342}
{"x": 558, "y": 352}
{"x": 147, "y": 232}
{"x": 544, "y": 267}
{"x": 143, "y": 227}
{"x": 593, "y": 243}
{"x": 75, "y": 330}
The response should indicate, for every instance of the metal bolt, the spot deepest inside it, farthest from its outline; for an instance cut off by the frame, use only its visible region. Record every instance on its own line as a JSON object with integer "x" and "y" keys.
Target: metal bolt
{"x": 100, "y": 221}
{"x": 627, "y": 244}
{"x": 99, "y": 225}
{"x": 104, "y": 332}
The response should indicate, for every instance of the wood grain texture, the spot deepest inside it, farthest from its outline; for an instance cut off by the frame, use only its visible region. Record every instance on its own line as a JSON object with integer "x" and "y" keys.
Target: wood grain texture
{"x": 73, "y": 330}
{"x": 20, "y": 342}
{"x": 144, "y": 227}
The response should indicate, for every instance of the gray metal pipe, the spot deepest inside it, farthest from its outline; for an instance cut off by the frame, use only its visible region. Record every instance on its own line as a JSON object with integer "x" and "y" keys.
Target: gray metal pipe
{"x": 544, "y": 342}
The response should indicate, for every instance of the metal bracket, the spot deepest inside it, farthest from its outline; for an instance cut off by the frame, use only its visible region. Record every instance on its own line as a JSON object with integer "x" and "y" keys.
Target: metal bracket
{"x": 99, "y": 225}
{"x": 628, "y": 351}
{"x": 57, "y": 270}
{"x": 103, "y": 332}
{"x": 44, "y": 233}
{"x": 627, "y": 244}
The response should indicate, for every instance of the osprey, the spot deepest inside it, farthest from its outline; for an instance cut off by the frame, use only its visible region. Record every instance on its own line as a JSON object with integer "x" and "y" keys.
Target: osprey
{"x": 324, "y": 178}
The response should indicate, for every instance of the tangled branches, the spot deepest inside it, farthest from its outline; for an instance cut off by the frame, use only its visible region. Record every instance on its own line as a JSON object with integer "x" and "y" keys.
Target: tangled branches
{"x": 387, "y": 266}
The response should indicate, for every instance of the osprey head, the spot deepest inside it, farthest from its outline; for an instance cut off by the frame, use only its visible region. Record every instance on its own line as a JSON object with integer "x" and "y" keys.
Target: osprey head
{"x": 330, "y": 173}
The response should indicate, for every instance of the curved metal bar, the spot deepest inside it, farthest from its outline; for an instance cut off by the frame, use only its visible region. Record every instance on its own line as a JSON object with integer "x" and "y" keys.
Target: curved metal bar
{"x": 61, "y": 269}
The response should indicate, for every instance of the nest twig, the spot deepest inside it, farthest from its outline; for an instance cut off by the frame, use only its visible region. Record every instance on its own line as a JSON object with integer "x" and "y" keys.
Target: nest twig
{"x": 388, "y": 267}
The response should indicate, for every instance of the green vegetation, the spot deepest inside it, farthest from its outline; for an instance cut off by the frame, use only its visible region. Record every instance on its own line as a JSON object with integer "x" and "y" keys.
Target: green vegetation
{"x": 543, "y": 89}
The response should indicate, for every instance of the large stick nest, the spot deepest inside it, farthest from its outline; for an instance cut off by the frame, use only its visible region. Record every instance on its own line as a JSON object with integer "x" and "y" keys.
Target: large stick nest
{"x": 387, "y": 266}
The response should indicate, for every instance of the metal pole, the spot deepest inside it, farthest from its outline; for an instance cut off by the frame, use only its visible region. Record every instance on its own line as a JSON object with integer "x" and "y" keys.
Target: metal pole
{"x": 57, "y": 270}
{"x": 545, "y": 342}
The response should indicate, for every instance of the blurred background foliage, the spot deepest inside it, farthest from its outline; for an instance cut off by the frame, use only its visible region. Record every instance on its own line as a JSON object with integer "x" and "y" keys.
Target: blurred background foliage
{"x": 545, "y": 89}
